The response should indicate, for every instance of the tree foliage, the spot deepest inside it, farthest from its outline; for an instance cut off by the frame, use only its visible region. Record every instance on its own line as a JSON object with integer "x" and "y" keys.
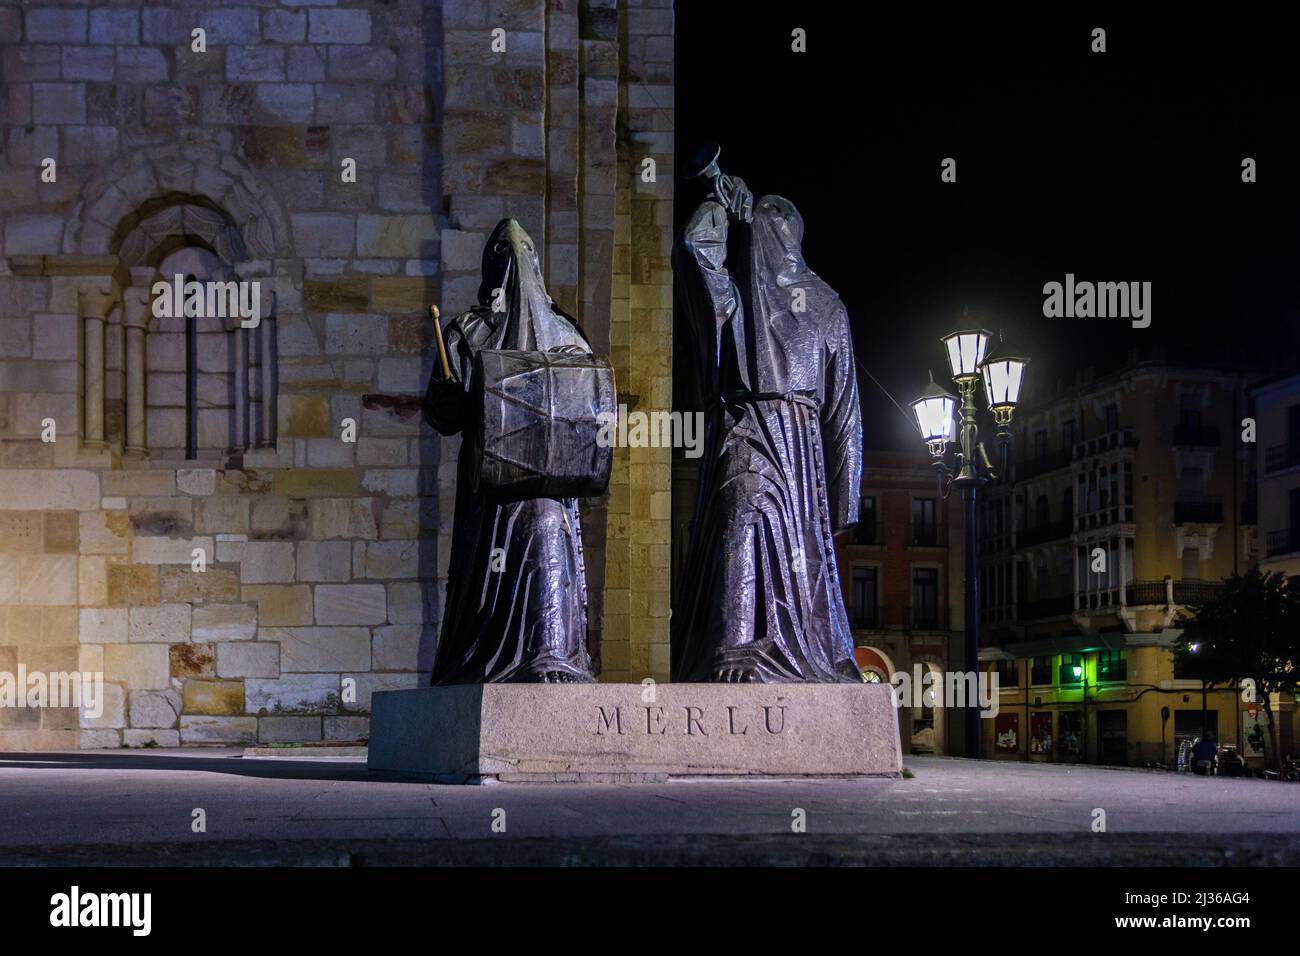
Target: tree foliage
{"x": 1250, "y": 631}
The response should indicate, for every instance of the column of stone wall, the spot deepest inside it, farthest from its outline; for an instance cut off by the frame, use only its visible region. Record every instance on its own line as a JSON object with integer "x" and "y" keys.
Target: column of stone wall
{"x": 493, "y": 135}
{"x": 239, "y": 439}
{"x": 114, "y": 377}
{"x": 40, "y": 365}
{"x": 616, "y": 651}
{"x": 493, "y": 150}
{"x": 563, "y": 145}
{"x": 95, "y": 301}
{"x": 529, "y": 135}
{"x": 642, "y": 338}
{"x": 136, "y": 316}
{"x": 597, "y": 178}
{"x": 266, "y": 353}
{"x": 649, "y": 122}
{"x": 38, "y": 505}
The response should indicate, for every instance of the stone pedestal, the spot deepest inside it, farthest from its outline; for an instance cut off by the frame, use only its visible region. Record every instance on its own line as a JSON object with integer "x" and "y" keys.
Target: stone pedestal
{"x": 630, "y": 732}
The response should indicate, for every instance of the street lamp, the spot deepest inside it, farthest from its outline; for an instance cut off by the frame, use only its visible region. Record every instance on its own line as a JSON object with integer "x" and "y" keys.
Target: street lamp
{"x": 1079, "y": 675}
{"x": 1003, "y": 376}
{"x": 934, "y": 414}
{"x": 1002, "y": 380}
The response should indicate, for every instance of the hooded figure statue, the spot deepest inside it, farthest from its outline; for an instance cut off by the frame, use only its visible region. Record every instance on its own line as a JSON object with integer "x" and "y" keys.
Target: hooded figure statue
{"x": 760, "y": 598}
{"x": 516, "y": 608}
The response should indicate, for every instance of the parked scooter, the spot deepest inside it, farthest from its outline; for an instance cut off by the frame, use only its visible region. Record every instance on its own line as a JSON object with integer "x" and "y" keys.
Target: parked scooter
{"x": 1228, "y": 763}
{"x": 1291, "y": 769}
{"x": 1289, "y": 773}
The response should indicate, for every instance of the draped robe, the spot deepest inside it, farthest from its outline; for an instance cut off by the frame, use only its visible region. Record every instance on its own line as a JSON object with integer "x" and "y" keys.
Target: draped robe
{"x": 760, "y": 598}
{"x": 516, "y": 608}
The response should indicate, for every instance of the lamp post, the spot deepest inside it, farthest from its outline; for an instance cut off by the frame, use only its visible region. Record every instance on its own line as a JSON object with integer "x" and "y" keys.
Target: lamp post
{"x": 1080, "y": 673}
{"x": 1002, "y": 377}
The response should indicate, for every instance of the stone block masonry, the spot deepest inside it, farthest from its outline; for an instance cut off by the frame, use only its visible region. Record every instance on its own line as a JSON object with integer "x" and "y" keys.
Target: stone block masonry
{"x": 198, "y": 529}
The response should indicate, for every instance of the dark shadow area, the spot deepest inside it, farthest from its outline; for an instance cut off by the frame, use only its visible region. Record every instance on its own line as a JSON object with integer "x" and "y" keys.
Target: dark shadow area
{"x": 294, "y": 768}
{"x": 1117, "y": 166}
{"x": 939, "y": 850}
{"x": 430, "y": 444}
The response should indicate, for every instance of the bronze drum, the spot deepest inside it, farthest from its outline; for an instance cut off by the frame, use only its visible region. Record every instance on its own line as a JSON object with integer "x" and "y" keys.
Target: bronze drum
{"x": 536, "y": 437}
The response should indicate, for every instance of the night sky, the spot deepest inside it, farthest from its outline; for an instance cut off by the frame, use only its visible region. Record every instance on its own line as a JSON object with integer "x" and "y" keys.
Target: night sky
{"x": 1119, "y": 166}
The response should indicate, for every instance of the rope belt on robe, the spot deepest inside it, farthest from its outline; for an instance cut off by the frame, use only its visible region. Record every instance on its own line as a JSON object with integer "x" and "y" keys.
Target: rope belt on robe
{"x": 749, "y": 398}
{"x": 738, "y": 398}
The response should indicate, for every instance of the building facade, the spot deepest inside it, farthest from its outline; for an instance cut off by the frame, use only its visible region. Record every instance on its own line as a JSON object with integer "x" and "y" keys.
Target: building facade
{"x": 1277, "y": 417}
{"x": 901, "y": 572}
{"x": 1130, "y": 499}
{"x": 245, "y": 530}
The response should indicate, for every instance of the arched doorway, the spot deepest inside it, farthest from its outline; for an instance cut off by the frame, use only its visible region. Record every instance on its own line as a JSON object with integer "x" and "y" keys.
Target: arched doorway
{"x": 874, "y": 664}
{"x": 929, "y": 726}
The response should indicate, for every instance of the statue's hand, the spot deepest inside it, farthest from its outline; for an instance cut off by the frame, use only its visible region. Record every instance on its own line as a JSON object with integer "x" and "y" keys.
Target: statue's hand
{"x": 735, "y": 195}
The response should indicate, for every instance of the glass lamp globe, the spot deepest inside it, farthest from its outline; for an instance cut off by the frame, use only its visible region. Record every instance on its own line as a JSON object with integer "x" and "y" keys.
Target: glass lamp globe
{"x": 966, "y": 352}
{"x": 1003, "y": 378}
{"x": 933, "y": 412}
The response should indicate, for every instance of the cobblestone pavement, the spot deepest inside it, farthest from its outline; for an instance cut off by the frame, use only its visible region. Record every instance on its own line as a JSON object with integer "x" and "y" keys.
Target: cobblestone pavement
{"x": 139, "y": 807}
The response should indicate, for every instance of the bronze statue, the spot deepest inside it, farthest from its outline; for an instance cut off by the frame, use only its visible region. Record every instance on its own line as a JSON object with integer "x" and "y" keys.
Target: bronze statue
{"x": 516, "y": 608}
{"x": 761, "y": 599}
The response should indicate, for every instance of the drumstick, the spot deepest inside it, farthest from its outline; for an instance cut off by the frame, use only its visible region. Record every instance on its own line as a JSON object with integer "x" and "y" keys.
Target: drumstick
{"x": 442, "y": 346}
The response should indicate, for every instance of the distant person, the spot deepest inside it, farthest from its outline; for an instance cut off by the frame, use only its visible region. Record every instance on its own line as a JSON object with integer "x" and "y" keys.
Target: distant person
{"x": 1205, "y": 748}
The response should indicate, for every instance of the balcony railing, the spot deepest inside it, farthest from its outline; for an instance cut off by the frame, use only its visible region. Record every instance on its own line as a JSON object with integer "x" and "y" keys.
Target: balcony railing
{"x": 1040, "y": 534}
{"x": 1200, "y": 435}
{"x": 1059, "y": 605}
{"x": 1282, "y": 456}
{"x": 1285, "y": 541}
{"x": 1103, "y": 517}
{"x": 1141, "y": 593}
{"x": 1196, "y": 592}
{"x": 1102, "y": 601}
{"x": 994, "y": 543}
{"x": 1198, "y": 511}
{"x": 1094, "y": 446}
{"x": 1160, "y": 593}
{"x": 1043, "y": 464}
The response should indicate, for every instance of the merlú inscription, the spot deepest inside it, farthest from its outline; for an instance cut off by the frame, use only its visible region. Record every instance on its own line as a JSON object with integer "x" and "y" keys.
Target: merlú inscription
{"x": 656, "y": 719}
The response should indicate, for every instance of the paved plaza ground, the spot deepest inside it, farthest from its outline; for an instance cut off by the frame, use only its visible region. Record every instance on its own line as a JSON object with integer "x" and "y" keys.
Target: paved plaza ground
{"x": 138, "y": 808}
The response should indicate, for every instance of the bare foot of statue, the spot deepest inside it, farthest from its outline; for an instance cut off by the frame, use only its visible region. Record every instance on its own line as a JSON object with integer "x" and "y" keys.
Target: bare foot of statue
{"x": 558, "y": 677}
{"x": 733, "y": 674}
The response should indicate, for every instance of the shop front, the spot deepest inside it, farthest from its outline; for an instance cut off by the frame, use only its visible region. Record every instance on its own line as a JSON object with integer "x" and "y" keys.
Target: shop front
{"x": 1040, "y": 735}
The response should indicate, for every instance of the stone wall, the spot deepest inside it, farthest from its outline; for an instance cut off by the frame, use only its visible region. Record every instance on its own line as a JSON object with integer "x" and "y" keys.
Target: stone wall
{"x": 263, "y": 591}
{"x": 638, "y": 563}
